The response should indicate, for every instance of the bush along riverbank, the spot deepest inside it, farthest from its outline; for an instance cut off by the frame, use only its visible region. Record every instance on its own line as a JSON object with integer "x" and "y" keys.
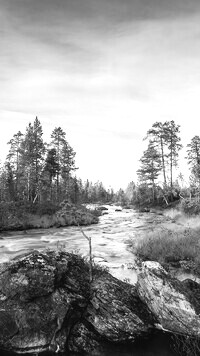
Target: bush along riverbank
{"x": 174, "y": 243}
{"x": 24, "y": 215}
{"x": 48, "y": 302}
{"x": 177, "y": 249}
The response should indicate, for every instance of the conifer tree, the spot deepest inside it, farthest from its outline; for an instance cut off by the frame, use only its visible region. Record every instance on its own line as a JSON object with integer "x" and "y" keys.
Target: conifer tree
{"x": 157, "y": 135}
{"x": 32, "y": 157}
{"x": 65, "y": 160}
{"x": 150, "y": 167}
{"x": 13, "y": 159}
{"x": 193, "y": 156}
{"x": 50, "y": 171}
{"x": 173, "y": 139}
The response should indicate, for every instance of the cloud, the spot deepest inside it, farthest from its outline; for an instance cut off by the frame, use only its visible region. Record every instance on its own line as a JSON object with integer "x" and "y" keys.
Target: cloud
{"x": 44, "y": 11}
{"x": 103, "y": 70}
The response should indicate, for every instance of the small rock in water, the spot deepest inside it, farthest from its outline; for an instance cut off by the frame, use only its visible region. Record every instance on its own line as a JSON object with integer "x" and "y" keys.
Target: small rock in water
{"x": 102, "y": 208}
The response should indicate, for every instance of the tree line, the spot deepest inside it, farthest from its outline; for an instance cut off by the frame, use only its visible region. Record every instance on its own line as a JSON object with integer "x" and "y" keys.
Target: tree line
{"x": 36, "y": 171}
{"x": 157, "y": 181}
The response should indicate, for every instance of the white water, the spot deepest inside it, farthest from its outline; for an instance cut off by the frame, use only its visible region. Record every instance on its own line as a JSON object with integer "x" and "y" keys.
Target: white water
{"x": 109, "y": 240}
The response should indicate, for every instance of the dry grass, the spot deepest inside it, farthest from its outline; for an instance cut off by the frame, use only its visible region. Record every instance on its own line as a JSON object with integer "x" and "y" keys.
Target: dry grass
{"x": 172, "y": 246}
{"x": 173, "y": 214}
{"x": 192, "y": 221}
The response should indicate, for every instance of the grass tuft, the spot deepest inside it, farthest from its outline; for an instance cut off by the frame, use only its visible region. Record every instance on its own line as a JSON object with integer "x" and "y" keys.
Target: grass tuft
{"x": 168, "y": 247}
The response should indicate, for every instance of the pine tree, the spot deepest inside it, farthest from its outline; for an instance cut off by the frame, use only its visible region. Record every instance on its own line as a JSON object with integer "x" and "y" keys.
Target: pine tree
{"x": 150, "y": 167}
{"x": 65, "y": 159}
{"x": 13, "y": 159}
{"x": 158, "y": 136}
{"x": 50, "y": 171}
{"x": 32, "y": 157}
{"x": 131, "y": 192}
{"x": 193, "y": 156}
{"x": 173, "y": 139}
{"x": 67, "y": 166}
{"x": 57, "y": 142}
{"x": 10, "y": 184}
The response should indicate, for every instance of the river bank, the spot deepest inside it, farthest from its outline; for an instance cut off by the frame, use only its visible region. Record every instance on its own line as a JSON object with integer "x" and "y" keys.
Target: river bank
{"x": 111, "y": 249}
{"x": 114, "y": 239}
{"x": 174, "y": 243}
{"x": 27, "y": 216}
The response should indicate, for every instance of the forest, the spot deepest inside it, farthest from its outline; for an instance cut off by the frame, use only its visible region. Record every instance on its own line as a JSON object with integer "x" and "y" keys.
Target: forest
{"x": 40, "y": 172}
{"x": 36, "y": 171}
{"x": 158, "y": 180}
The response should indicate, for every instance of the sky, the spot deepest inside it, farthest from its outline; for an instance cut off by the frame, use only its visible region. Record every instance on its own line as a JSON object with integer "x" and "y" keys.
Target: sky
{"x": 104, "y": 71}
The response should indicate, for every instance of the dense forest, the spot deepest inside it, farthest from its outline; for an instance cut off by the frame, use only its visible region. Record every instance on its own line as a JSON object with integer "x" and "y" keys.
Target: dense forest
{"x": 36, "y": 171}
{"x": 39, "y": 172}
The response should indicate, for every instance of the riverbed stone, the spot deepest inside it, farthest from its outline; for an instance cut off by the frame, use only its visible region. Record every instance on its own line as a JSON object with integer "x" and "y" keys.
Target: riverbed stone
{"x": 176, "y": 304}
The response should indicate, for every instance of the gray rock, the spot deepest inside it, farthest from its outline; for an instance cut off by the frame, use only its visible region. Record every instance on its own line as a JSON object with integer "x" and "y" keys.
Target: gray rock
{"x": 175, "y": 304}
{"x": 48, "y": 303}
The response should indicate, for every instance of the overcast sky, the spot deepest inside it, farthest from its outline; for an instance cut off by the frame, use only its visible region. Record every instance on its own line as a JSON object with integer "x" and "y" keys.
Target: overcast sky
{"x": 103, "y": 70}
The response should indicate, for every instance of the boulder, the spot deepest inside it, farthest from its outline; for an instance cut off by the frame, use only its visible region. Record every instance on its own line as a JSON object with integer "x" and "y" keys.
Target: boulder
{"x": 114, "y": 314}
{"x": 144, "y": 210}
{"x": 102, "y": 208}
{"x": 175, "y": 304}
{"x": 47, "y": 302}
{"x": 42, "y": 295}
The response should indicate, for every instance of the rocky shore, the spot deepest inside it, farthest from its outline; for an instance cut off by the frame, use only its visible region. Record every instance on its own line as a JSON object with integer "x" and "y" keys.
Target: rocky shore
{"x": 48, "y": 303}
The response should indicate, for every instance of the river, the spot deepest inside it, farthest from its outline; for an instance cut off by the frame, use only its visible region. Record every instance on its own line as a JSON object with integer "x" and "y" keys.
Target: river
{"x": 110, "y": 248}
{"x": 110, "y": 240}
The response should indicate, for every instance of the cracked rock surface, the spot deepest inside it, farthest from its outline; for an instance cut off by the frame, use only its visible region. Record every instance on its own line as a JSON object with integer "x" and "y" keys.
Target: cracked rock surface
{"x": 48, "y": 303}
{"x": 175, "y": 304}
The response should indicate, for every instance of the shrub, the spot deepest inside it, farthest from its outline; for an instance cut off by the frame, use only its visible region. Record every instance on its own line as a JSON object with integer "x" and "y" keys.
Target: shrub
{"x": 43, "y": 208}
{"x": 167, "y": 246}
{"x": 190, "y": 207}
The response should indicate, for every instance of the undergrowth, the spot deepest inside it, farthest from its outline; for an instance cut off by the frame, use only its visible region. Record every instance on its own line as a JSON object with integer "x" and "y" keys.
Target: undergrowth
{"x": 168, "y": 247}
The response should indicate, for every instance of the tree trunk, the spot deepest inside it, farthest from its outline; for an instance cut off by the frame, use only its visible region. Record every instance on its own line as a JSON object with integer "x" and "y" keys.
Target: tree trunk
{"x": 163, "y": 161}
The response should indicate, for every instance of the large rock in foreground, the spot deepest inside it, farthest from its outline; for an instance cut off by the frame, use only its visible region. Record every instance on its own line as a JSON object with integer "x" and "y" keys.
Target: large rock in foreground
{"x": 48, "y": 303}
{"x": 115, "y": 314}
{"x": 175, "y": 304}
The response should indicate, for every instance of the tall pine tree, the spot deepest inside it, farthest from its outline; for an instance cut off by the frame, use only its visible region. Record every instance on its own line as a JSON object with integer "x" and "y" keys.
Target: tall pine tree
{"x": 13, "y": 160}
{"x": 32, "y": 149}
{"x": 173, "y": 139}
{"x": 150, "y": 167}
{"x": 65, "y": 160}
{"x": 157, "y": 134}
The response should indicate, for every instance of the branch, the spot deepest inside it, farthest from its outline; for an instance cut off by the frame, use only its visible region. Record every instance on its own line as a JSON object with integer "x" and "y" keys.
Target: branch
{"x": 90, "y": 251}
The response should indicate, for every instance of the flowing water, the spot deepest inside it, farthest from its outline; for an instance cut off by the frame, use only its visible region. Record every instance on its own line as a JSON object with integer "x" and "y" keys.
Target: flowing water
{"x": 110, "y": 240}
{"x": 110, "y": 248}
